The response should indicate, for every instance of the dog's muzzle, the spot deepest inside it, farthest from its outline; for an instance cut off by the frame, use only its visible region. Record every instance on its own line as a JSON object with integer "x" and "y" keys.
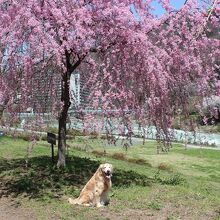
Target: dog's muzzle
{"x": 108, "y": 174}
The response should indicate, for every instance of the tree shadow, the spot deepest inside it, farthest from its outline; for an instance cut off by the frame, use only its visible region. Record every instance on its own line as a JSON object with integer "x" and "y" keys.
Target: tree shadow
{"x": 42, "y": 179}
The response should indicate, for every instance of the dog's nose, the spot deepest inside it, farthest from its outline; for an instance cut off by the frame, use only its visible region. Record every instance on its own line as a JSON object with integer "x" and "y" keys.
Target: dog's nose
{"x": 108, "y": 172}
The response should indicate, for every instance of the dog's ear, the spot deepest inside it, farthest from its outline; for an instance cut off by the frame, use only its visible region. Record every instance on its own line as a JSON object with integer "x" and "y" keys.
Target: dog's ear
{"x": 101, "y": 166}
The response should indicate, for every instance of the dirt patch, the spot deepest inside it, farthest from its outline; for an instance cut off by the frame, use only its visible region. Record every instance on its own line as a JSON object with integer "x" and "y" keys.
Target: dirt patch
{"x": 164, "y": 214}
{"x": 11, "y": 209}
{"x": 170, "y": 211}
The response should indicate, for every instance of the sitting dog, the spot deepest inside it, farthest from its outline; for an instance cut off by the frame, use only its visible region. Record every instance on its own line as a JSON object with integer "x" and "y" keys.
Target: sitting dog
{"x": 96, "y": 190}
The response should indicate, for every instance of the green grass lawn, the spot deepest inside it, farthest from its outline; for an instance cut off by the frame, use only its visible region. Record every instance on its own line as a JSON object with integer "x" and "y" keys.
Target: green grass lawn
{"x": 181, "y": 184}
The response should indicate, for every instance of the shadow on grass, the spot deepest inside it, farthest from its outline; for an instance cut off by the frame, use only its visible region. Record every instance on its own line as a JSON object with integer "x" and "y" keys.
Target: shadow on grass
{"x": 42, "y": 180}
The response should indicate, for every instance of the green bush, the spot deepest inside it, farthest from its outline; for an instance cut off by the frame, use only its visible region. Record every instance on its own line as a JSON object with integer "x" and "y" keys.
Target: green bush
{"x": 174, "y": 179}
{"x": 155, "y": 205}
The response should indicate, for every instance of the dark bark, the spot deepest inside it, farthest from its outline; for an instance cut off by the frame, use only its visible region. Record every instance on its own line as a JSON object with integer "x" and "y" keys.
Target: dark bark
{"x": 3, "y": 106}
{"x": 1, "y": 111}
{"x": 65, "y": 98}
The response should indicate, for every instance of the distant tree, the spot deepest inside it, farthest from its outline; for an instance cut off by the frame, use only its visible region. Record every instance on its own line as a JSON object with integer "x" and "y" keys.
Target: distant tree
{"x": 143, "y": 67}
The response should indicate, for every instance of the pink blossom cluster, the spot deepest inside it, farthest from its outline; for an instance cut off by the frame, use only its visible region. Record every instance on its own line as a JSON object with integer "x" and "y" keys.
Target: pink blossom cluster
{"x": 137, "y": 68}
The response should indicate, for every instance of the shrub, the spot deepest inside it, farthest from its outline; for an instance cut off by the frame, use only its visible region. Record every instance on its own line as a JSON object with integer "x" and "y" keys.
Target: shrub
{"x": 93, "y": 135}
{"x": 103, "y": 137}
{"x": 99, "y": 153}
{"x": 174, "y": 179}
{"x": 70, "y": 132}
{"x": 155, "y": 205}
{"x": 27, "y": 136}
{"x": 164, "y": 166}
{"x": 127, "y": 178}
{"x": 139, "y": 161}
{"x": 119, "y": 156}
{"x": 74, "y": 132}
{"x": 51, "y": 129}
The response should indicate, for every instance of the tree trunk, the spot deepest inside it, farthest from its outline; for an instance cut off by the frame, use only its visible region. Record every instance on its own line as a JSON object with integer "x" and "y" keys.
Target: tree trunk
{"x": 3, "y": 106}
{"x": 1, "y": 111}
{"x": 65, "y": 98}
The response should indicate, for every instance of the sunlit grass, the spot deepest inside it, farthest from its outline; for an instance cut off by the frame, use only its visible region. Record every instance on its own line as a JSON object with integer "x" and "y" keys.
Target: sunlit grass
{"x": 143, "y": 182}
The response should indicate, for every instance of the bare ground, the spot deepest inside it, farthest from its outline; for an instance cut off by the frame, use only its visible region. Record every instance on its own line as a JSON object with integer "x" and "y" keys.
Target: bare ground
{"x": 12, "y": 209}
{"x": 170, "y": 211}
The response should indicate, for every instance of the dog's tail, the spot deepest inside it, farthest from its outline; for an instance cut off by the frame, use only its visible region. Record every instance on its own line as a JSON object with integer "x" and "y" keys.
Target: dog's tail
{"x": 74, "y": 201}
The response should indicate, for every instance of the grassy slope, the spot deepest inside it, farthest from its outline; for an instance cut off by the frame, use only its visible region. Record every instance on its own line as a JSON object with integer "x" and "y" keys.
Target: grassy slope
{"x": 183, "y": 184}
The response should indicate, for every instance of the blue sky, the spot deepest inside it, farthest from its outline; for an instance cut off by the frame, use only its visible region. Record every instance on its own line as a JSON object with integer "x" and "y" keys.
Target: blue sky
{"x": 177, "y": 4}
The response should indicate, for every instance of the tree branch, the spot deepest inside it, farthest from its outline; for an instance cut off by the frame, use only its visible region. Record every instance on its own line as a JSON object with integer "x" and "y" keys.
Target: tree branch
{"x": 95, "y": 50}
{"x": 76, "y": 64}
{"x": 165, "y": 22}
{"x": 207, "y": 19}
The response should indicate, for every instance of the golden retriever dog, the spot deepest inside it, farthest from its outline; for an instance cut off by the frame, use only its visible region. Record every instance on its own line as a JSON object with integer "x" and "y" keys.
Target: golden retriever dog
{"x": 96, "y": 190}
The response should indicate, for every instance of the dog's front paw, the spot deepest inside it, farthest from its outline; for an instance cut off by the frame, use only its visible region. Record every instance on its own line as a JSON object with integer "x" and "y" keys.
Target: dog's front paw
{"x": 99, "y": 205}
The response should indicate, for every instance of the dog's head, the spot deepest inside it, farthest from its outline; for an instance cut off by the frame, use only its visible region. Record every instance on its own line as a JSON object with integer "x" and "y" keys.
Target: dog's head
{"x": 106, "y": 169}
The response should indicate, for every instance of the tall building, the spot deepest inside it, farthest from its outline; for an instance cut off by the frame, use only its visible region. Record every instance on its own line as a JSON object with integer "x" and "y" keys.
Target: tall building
{"x": 78, "y": 91}
{"x": 75, "y": 89}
